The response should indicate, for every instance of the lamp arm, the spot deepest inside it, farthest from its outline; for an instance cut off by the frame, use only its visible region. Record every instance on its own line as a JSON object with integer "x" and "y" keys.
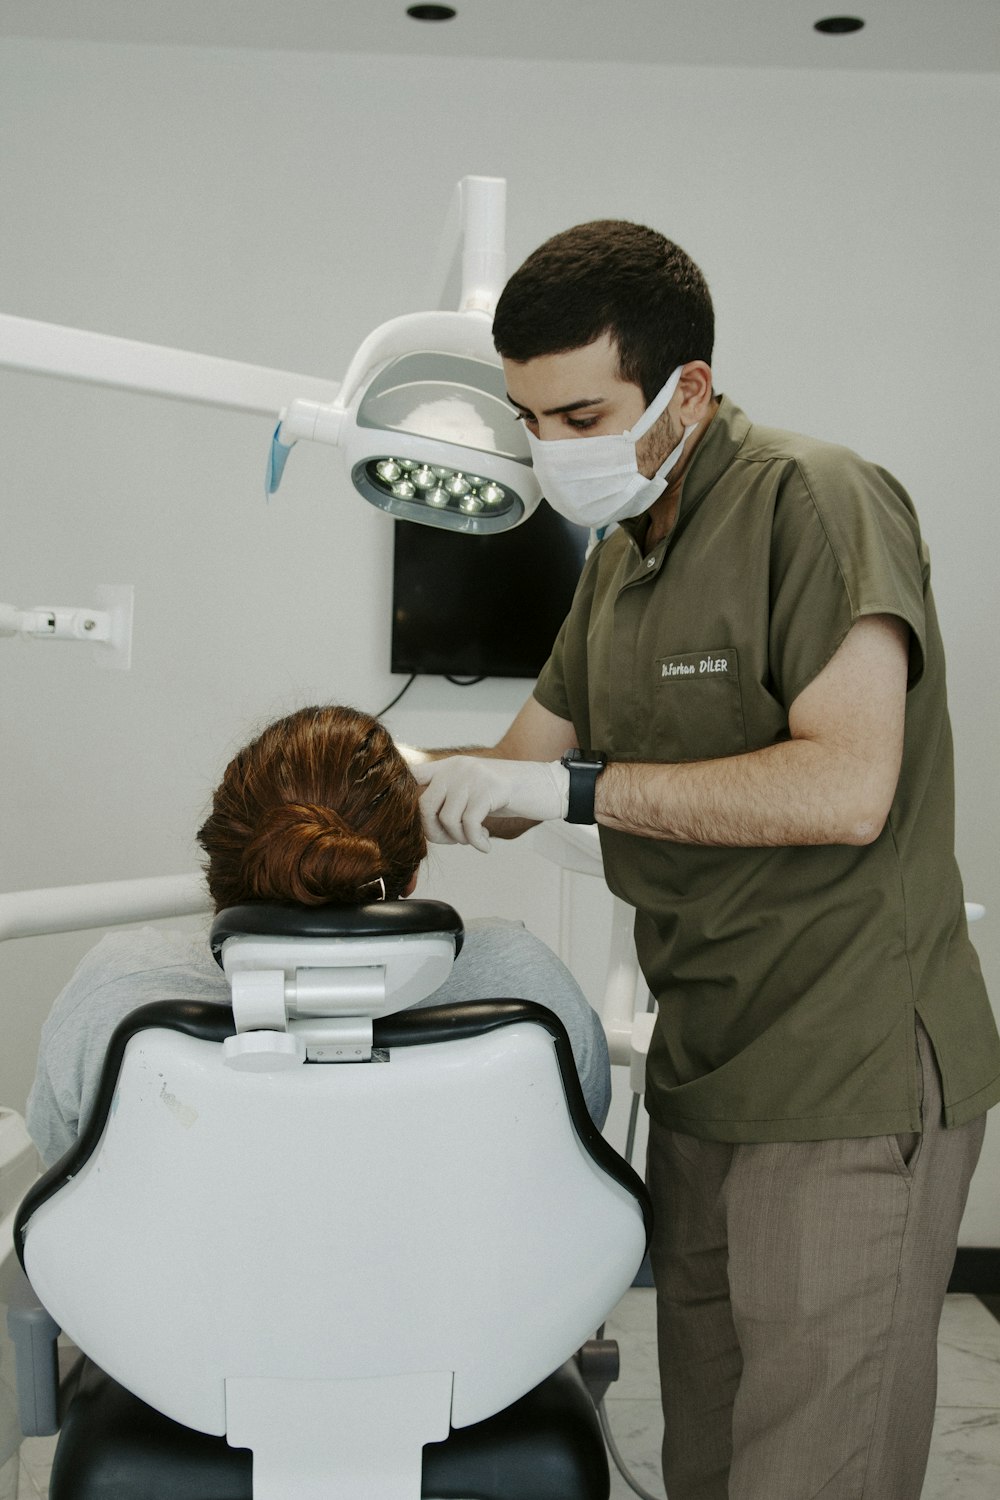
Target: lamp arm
{"x": 470, "y": 262}
{"x": 444, "y": 332}
{"x": 153, "y": 369}
{"x": 56, "y": 622}
{"x": 484, "y": 205}
{"x": 109, "y": 627}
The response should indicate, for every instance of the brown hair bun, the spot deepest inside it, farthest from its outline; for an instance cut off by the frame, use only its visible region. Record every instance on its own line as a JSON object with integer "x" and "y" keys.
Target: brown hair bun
{"x": 308, "y": 854}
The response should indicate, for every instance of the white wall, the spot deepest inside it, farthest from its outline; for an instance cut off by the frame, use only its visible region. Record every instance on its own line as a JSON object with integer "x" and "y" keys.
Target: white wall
{"x": 276, "y": 207}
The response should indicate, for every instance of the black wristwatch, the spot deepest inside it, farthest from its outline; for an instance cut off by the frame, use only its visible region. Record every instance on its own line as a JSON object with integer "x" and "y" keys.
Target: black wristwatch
{"x": 584, "y": 767}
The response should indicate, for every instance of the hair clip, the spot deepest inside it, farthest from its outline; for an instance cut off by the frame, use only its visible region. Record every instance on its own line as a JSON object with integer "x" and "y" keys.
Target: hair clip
{"x": 381, "y": 888}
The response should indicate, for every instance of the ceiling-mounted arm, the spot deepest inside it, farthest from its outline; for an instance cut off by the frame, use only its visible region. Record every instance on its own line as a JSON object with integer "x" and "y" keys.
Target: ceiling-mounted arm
{"x": 484, "y": 207}
{"x": 470, "y": 264}
{"x": 153, "y": 369}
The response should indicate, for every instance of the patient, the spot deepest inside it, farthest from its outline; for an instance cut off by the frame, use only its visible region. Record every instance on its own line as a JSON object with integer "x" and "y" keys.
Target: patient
{"x": 320, "y": 807}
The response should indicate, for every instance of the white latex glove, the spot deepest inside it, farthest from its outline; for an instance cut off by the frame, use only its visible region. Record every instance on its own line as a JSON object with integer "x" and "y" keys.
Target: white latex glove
{"x": 462, "y": 791}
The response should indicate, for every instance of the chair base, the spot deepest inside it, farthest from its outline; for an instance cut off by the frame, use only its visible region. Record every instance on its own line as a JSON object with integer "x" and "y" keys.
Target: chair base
{"x": 547, "y": 1446}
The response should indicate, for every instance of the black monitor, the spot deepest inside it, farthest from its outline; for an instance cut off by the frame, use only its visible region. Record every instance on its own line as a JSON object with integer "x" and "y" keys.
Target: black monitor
{"x": 482, "y": 606}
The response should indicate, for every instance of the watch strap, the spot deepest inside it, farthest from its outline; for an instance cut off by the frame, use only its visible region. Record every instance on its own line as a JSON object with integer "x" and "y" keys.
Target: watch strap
{"x": 584, "y": 767}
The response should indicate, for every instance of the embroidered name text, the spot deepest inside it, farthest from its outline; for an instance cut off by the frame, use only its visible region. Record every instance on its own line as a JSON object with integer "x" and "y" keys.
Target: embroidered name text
{"x": 689, "y": 669}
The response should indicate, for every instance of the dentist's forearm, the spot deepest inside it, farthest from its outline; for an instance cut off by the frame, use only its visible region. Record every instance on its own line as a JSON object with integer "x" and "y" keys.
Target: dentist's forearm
{"x": 794, "y": 793}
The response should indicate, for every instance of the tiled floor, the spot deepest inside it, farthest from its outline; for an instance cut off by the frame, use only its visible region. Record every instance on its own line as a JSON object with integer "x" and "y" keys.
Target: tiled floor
{"x": 965, "y": 1454}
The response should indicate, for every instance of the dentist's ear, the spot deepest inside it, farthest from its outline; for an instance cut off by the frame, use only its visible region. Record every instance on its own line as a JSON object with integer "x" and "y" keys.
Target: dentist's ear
{"x": 695, "y": 392}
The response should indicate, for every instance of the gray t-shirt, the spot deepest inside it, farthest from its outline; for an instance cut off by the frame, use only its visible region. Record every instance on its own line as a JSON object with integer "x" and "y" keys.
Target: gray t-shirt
{"x": 129, "y": 968}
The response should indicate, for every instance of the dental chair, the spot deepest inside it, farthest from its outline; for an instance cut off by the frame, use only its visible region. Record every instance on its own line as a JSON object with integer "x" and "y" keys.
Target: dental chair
{"x": 324, "y": 1244}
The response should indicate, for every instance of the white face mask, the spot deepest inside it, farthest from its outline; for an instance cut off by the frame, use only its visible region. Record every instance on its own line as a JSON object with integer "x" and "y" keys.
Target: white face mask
{"x": 596, "y": 480}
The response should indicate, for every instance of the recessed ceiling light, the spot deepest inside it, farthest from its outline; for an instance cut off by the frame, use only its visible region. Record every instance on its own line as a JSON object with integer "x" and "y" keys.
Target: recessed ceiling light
{"x": 431, "y": 12}
{"x": 838, "y": 25}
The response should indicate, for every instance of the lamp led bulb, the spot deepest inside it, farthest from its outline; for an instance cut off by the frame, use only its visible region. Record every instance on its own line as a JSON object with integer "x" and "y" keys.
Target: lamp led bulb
{"x": 438, "y": 488}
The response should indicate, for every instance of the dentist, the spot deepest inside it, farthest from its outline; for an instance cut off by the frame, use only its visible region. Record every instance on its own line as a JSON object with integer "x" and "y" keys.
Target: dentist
{"x": 748, "y": 698}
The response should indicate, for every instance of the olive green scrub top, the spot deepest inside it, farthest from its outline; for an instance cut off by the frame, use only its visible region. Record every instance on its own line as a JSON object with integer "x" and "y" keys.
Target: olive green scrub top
{"x": 787, "y": 979}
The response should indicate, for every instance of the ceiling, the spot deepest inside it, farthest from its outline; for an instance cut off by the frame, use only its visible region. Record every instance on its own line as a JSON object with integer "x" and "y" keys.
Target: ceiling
{"x": 898, "y": 35}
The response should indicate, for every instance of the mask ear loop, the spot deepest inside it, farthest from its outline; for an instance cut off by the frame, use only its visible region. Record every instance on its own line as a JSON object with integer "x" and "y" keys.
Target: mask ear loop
{"x": 656, "y": 407}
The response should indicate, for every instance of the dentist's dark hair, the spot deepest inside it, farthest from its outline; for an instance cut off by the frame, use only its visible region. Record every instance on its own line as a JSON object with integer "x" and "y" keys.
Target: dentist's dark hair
{"x": 614, "y": 277}
{"x": 320, "y": 807}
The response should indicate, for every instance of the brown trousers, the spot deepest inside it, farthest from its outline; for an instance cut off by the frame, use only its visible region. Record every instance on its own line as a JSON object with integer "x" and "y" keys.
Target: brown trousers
{"x": 799, "y": 1291}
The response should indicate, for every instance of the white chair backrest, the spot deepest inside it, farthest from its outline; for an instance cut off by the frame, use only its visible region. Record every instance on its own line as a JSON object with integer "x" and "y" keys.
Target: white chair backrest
{"x": 330, "y": 1261}
{"x": 434, "y": 1212}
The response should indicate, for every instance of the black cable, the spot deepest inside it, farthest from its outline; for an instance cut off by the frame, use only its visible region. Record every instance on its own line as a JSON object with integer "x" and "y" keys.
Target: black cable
{"x": 618, "y": 1460}
{"x": 395, "y": 700}
{"x": 458, "y": 682}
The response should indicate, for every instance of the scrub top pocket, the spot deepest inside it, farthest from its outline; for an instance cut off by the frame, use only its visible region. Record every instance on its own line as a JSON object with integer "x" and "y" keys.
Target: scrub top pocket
{"x": 697, "y": 706}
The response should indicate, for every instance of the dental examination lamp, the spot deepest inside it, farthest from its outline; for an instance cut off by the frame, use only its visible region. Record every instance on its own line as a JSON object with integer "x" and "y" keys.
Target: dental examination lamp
{"x": 427, "y": 436}
{"x": 421, "y": 416}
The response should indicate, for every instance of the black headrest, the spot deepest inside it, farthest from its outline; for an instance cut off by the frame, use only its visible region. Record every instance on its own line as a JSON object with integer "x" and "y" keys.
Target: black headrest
{"x": 379, "y": 919}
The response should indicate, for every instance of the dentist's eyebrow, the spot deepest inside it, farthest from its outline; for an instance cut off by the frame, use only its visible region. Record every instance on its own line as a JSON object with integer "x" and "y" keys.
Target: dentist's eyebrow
{"x": 558, "y": 411}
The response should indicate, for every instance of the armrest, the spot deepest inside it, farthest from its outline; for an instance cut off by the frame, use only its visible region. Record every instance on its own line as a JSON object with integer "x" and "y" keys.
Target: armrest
{"x": 34, "y": 1333}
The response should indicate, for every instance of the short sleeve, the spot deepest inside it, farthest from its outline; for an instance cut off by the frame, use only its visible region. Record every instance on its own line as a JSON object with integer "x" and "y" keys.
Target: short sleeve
{"x": 563, "y": 684}
{"x": 845, "y": 544}
{"x": 550, "y": 688}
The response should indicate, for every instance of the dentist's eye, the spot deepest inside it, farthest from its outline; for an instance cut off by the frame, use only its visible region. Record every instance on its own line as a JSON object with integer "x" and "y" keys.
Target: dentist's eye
{"x": 581, "y": 424}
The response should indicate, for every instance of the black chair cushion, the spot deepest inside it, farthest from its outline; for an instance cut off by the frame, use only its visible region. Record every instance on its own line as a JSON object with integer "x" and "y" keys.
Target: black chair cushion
{"x": 547, "y": 1446}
